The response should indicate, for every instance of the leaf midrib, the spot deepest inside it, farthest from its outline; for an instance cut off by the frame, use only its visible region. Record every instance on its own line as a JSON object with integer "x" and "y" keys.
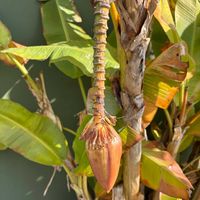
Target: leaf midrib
{"x": 31, "y": 135}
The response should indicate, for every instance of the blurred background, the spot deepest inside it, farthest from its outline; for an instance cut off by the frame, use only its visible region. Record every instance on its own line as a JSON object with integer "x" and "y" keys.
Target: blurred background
{"x": 21, "y": 179}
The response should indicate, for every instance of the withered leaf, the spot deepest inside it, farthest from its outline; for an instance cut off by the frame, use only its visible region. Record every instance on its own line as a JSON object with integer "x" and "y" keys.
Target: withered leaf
{"x": 162, "y": 78}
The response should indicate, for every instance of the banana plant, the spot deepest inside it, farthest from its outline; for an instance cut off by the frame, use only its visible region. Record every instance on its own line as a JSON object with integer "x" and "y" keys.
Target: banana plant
{"x": 142, "y": 114}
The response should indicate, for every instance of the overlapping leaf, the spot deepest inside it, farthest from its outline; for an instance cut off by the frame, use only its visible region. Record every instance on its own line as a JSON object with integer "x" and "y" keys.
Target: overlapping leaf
{"x": 163, "y": 173}
{"x": 59, "y": 21}
{"x": 71, "y": 48}
{"x": 164, "y": 16}
{"x": 33, "y": 136}
{"x": 162, "y": 79}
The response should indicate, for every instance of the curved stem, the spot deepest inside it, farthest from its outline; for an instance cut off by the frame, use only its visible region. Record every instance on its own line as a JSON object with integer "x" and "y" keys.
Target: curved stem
{"x": 69, "y": 131}
{"x": 100, "y": 33}
{"x": 170, "y": 124}
{"x": 72, "y": 177}
{"x": 85, "y": 188}
{"x": 82, "y": 90}
{"x": 25, "y": 73}
{"x": 181, "y": 95}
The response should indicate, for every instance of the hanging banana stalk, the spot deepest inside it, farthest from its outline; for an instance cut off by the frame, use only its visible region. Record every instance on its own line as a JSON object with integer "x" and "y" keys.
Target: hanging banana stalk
{"x": 103, "y": 144}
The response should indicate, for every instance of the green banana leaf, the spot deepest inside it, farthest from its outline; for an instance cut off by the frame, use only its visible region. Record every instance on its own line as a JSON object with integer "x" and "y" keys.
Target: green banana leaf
{"x": 187, "y": 17}
{"x": 33, "y": 136}
{"x": 58, "y": 17}
{"x": 60, "y": 20}
{"x": 79, "y": 53}
{"x": 81, "y": 158}
{"x": 164, "y": 16}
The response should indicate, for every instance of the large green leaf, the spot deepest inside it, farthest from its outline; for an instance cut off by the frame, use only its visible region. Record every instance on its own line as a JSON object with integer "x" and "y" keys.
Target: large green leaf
{"x": 79, "y": 53}
{"x": 58, "y": 17}
{"x": 160, "y": 172}
{"x": 5, "y": 36}
{"x": 81, "y": 158}
{"x": 60, "y": 20}
{"x": 187, "y": 16}
{"x": 34, "y": 136}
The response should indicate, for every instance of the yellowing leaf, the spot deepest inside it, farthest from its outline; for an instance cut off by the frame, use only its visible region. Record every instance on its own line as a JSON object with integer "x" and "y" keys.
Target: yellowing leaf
{"x": 149, "y": 113}
{"x": 166, "y": 197}
{"x": 160, "y": 172}
{"x": 162, "y": 79}
{"x": 129, "y": 137}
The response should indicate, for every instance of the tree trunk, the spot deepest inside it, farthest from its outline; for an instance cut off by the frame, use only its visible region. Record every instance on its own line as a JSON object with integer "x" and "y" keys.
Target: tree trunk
{"x": 135, "y": 18}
